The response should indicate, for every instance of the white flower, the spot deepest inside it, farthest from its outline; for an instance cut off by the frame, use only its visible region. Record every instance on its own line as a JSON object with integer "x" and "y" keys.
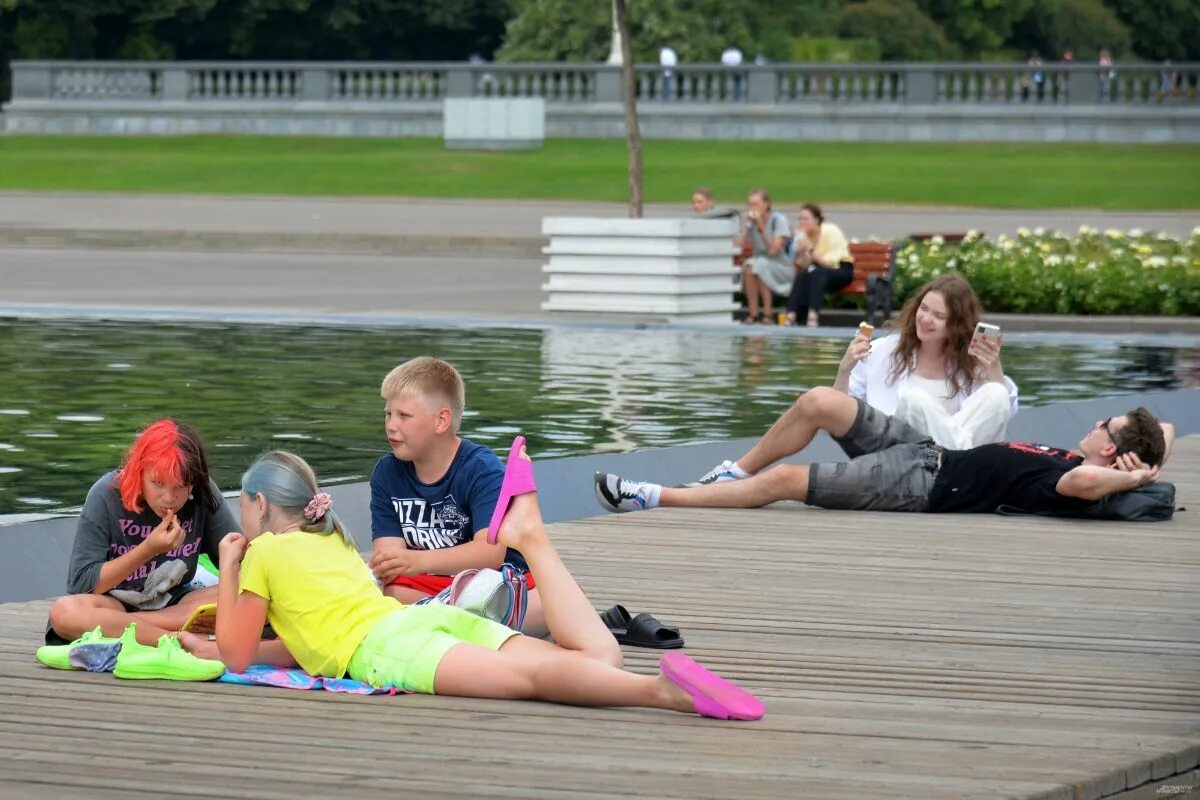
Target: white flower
{"x": 1113, "y": 233}
{"x": 1052, "y": 261}
{"x": 1135, "y": 232}
{"x": 1039, "y": 231}
{"x": 937, "y": 240}
{"x": 1084, "y": 230}
{"x": 1007, "y": 244}
{"x": 1180, "y": 260}
{"x": 1155, "y": 261}
{"x": 1093, "y": 265}
{"x": 1196, "y": 231}
{"x": 971, "y": 236}
{"x": 1022, "y": 231}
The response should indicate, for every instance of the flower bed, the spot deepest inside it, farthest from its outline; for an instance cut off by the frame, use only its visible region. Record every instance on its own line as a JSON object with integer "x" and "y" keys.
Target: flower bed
{"x": 1048, "y": 272}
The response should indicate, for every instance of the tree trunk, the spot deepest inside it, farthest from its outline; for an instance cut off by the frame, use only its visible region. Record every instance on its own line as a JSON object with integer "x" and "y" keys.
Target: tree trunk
{"x": 633, "y": 134}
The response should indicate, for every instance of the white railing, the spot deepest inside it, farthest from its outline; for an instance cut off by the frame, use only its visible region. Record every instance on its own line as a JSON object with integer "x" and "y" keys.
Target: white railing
{"x": 1049, "y": 85}
{"x": 554, "y": 83}
{"x": 87, "y": 83}
{"x": 236, "y": 83}
{"x": 868, "y": 83}
{"x": 366, "y": 83}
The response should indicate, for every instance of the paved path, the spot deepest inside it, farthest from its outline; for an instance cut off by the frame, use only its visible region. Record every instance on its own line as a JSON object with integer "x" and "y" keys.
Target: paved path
{"x": 484, "y": 218}
{"x": 299, "y": 283}
{"x": 333, "y": 287}
{"x": 932, "y": 657}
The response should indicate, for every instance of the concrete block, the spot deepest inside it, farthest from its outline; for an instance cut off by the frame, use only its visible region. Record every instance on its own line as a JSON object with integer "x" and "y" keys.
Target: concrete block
{"x": 494, "y": 123}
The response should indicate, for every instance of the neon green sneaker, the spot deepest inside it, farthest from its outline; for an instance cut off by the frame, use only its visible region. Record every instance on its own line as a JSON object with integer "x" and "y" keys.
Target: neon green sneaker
{"x": 168, "y": 661}
{"x": 58, "y": 656}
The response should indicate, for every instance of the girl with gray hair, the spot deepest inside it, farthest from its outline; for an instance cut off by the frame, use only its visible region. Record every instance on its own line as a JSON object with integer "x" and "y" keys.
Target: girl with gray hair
{"x": 296, "y": 566}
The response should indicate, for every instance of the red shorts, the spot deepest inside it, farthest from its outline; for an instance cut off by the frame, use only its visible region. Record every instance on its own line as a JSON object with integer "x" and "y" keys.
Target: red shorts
{"x": 432, "y": 584}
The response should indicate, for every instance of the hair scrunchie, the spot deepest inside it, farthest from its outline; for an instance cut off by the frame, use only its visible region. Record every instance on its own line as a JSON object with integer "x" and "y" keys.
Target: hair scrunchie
{"x": 317, "y": 507}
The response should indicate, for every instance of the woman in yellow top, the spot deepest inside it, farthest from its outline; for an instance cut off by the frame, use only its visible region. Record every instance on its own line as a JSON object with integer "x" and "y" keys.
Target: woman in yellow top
{"x": 823, "y": 265}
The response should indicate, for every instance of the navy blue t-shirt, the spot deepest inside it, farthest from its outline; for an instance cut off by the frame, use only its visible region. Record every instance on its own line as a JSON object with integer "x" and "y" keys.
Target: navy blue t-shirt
{"x": 447, "y": 513}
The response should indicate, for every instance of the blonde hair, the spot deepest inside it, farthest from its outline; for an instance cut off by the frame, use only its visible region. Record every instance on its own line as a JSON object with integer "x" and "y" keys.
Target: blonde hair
{"x": 433, "y": 380}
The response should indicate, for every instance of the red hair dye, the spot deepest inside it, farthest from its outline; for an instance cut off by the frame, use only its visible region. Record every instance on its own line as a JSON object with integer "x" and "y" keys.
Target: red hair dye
{"x": 170, "y": 452}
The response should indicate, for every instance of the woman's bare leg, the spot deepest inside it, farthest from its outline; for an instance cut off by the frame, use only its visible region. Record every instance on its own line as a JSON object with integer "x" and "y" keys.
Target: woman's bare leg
{"x": 530, "y": 669}
{"x": 569, "y": 615}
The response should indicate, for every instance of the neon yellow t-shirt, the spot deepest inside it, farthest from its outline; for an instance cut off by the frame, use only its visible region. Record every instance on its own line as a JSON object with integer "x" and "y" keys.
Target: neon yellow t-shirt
{"x": 322, "y": 599}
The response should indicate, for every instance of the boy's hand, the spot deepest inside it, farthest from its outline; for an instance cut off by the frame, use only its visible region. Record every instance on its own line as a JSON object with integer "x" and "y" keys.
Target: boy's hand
{"x": 391, "y": 558}
{"x": 231, "y": 550}
{"x": 166, "y": 537}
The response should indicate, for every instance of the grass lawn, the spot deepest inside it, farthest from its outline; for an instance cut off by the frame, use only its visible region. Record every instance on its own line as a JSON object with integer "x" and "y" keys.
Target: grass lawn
{"x": 999, "y": 175}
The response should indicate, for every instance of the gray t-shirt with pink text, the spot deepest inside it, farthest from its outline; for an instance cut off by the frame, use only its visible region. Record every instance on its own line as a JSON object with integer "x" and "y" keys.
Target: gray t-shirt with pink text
{"x": 107, "y": 530}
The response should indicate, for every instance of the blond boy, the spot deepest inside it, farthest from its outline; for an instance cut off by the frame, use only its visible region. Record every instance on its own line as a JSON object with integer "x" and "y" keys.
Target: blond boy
{"x": 432, "y": 498}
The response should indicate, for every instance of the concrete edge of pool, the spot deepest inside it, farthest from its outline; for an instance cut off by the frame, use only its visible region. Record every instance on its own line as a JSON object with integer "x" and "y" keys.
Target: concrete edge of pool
{"x": 566, "y": 492}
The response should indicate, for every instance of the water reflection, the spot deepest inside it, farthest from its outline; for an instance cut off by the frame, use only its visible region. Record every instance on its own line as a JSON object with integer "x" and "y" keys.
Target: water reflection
{"x": 75, "y": 392}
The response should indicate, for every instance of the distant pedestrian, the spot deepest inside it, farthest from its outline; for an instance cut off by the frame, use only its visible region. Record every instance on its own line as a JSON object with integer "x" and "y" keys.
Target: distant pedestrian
{"x": 731, "y": 58}
{"x": 669, "y": 60}
{"x": 1107, "y": 73}
{"x": 702, "y": 202}
{"x": 1033, "y": 79}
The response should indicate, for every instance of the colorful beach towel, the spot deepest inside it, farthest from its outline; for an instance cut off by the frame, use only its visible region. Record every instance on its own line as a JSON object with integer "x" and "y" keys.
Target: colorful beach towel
{"x": 261, "y": 675}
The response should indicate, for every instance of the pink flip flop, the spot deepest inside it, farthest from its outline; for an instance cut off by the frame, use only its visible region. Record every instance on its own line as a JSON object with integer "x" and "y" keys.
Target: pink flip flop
{"x": 713, "y": 695}
{"x": 518, "y": 479}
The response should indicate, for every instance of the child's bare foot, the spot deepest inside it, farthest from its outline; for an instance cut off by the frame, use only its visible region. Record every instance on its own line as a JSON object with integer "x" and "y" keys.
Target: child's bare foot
{"x": 522, "y": 527}
{"x": 671, "y": 695}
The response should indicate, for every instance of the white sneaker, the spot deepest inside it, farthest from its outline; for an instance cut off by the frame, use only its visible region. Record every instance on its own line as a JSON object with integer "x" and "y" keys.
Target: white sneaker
{"x": 620, "y": 495}
{"x": 720, "y": 473}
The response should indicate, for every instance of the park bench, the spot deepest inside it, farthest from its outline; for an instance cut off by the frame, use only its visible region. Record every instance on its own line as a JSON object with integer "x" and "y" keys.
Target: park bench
{"x": 873, "y": 266}
{"x": 874, "y": 263}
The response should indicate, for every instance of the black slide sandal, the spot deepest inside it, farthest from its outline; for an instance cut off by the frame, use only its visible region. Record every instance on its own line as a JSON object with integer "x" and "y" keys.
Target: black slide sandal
{"x": 641, "y": 631}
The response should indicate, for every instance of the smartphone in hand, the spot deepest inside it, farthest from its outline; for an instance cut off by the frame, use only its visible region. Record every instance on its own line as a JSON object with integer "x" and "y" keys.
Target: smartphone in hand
{"x": 984, "y": 331}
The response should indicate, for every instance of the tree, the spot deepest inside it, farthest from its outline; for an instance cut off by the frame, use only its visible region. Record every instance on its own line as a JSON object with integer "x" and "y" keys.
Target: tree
{"x": 1162, "y": 28}
{"x": 565, "y": 30}
{"x": 901, "y": 30}
{"x": 1082, "y": 26}
{"x": 633, "y": 133}
{"x": 976, "y": 26}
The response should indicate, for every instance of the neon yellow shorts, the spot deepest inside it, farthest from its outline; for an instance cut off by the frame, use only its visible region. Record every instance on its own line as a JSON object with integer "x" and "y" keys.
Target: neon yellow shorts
{"x": 405, "y": 647}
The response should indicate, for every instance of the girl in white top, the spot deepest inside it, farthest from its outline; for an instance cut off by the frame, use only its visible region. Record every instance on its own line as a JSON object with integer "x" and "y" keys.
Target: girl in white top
{"x": 926, "y": 375}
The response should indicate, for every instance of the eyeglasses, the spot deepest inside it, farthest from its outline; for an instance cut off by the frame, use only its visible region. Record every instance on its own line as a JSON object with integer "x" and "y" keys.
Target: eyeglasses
{"x": 1108, "y": 430}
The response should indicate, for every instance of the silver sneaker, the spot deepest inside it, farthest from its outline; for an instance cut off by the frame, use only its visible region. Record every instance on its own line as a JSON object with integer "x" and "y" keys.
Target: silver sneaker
{"x": 619, "y": 495}
{"x": 719, "y": 474}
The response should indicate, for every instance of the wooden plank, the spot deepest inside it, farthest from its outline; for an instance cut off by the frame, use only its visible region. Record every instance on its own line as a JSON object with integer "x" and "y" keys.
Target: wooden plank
{"x": 899, "y": 656}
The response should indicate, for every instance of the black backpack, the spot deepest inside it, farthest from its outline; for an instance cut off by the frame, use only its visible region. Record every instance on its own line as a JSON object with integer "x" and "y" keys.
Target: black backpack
{"x": 1153, "y": 502}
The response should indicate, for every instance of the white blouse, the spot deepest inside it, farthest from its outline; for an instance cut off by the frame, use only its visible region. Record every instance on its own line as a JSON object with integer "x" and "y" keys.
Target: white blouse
{"x": 869, "y": 381}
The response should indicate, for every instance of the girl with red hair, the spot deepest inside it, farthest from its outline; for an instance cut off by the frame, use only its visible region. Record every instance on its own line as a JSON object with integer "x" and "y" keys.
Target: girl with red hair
{"x": 140, "y": 534}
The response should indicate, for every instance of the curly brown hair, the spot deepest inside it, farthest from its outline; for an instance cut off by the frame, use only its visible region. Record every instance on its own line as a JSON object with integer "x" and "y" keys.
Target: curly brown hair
{"x": 963, "y": 312}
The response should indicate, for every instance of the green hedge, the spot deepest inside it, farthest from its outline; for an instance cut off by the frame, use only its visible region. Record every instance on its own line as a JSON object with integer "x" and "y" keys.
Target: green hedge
{"x": 1048, "y": 272}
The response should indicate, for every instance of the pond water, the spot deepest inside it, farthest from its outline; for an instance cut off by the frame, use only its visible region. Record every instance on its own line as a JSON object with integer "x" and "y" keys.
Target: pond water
{"x": 75, "y": 392}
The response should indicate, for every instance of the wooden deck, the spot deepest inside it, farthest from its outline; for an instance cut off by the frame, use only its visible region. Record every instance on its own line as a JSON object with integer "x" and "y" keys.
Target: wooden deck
{"x": 898, "y": 656}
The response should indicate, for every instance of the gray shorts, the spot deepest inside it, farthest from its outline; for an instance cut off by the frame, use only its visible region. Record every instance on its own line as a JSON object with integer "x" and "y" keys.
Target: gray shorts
{"x": 892, "y": 467}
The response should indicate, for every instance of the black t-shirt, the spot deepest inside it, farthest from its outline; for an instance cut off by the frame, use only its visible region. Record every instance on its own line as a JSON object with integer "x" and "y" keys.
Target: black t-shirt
{"x": 1009, "y": 473}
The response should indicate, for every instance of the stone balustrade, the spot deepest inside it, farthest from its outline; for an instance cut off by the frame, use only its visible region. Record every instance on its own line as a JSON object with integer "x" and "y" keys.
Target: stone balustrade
{"x": 909, "y": 101}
